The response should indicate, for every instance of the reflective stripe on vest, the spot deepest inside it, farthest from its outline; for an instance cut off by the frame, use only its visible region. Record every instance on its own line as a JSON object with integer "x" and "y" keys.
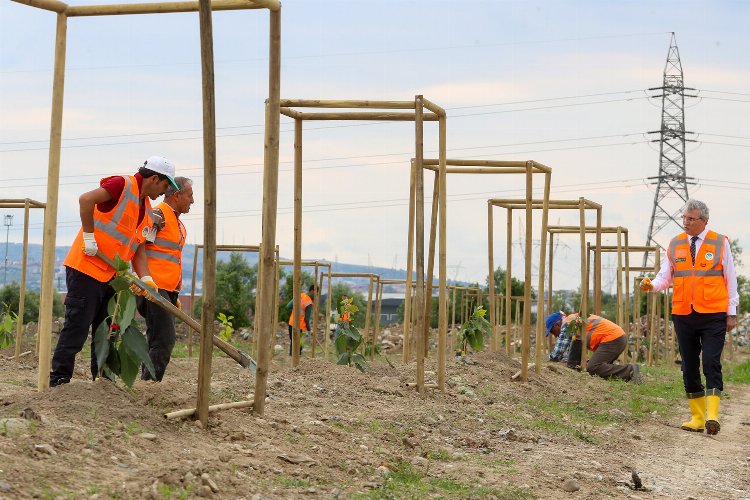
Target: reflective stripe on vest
{"x": 305, "y": 302}
{"x": 117, "y": 232}
{"x": 165, "y": 253}
{"x": 698, "y": 285}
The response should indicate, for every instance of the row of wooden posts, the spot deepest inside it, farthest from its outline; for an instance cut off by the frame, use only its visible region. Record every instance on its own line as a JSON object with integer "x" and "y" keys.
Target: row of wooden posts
{"x": 419, "y": 110}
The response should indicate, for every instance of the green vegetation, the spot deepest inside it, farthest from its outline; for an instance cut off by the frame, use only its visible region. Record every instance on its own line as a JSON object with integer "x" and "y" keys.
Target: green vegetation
{"x": 10, "y": 294}
{"x": 349, "y": 339}
{"x": 7, "y": 327}
{"x": 737, "y": 373}
{"x": 407, "y": 482}
{"x": 474, "y": 331}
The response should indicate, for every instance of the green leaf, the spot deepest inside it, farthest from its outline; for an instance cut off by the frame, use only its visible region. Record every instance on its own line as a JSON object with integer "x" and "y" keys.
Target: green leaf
{"x": 101, "y": 345}
{"x": 128, "y": 312}
{"x": 113, "y": 363}
{"x": 343, "y": 359}
{"x": 121, "y": 265}
{"x": 137, "y": 345}
{"x": 341, "y": 342}
{"x": 476, "y": 341}
{"x": 359, "y": 362}
{"x": 111, "y": 305}
{"x": 119, "y": 283}
{"x": 128, "y": 366}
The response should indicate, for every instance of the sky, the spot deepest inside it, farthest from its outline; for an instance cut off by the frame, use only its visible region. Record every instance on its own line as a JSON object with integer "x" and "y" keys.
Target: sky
{"x": 560, "y": 82}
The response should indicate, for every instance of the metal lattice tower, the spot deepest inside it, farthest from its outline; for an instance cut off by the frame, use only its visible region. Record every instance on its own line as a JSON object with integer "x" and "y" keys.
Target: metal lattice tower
{"x": 672, "y": 181}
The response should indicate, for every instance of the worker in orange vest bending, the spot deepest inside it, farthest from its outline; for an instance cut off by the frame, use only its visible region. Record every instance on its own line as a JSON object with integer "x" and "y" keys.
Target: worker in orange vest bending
{"x": 605, "y": 338}
{"x": 164, "y": 257}
{"x": 704, "y": 309}
{"x": 115, "y": 220}
{"x": 305, "y": 315}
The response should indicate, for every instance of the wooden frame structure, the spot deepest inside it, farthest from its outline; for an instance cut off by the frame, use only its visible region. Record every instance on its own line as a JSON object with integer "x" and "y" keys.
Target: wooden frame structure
{"x": 204, "y": 9}
{"x": 473, "y": 166}
{"x": 529, "y": 204}
{"x": 421, "y": 110}
{"x": 26, "y": 204}
{"x": 318, "y": 287}
{"x": 230, "y": 248}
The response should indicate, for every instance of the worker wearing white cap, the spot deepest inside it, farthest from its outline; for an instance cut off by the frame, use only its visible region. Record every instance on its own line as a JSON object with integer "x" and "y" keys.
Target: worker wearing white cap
{"x": 116, "y": 218}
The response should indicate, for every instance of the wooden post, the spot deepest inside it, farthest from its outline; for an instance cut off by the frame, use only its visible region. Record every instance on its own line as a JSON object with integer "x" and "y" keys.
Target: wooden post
{"x": 44, "y": 332}
{"x": 549, "y": 285}
{"x": 637, "y": 319}
{"x": 270, "y": 194}
{"x": 409, "y": 269}
{"x": 598, "y": 264}
{"x": 378, "y": 308}
{"x": 442, "y": 271}
{"x": 419, "y": 187}
{"x": 526, "y": 345}
{"x": 620, "y": 320}
{"x": 316, "y": 297}
{"x": 540, "y": 313}
{"x": 508, "y": 261}
{"x": 491, "y": 275}
{"x": 22, "y": 294}
{"x": 430, "y": 268}
{"x": 277, "y": 284}
{"x": 627, "y": 295}
{"x": 454, "y": 308}
{"x": 588, "y": 268}
{"x": 326, "y": 341}
{"x": 584, "y": 282}
{"x": 297, "y": 269}
{"x": 209, "y": 211}
{"x": 368, "y": 314}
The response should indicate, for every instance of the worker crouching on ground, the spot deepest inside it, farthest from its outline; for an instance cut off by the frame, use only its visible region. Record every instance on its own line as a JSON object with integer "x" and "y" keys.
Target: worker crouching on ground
{"x": 305, "y": 315}
{"x": 704, "y": 308}
{"x": 164, "y": 256}
{"x": 115, "y": 220}
{"x": 606, "y": 339}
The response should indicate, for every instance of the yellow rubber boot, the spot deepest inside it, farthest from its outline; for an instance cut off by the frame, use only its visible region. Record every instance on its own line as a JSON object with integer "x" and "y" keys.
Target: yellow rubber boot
{"x": 698, "y": 414}
{"x": 712, "y": 414}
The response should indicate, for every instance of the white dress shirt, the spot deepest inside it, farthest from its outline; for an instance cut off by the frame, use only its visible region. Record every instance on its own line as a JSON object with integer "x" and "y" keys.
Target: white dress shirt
{"x": 665, "y": 277}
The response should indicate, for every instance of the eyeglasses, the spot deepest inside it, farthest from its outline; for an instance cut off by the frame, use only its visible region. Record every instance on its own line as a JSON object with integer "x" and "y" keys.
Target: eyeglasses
{"x": 690, "y": 219}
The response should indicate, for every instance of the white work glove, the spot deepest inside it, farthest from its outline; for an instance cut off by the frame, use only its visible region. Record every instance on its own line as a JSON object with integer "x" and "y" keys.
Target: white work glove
{"x": 89, "y": 244}
{"x": 148, "y": 292}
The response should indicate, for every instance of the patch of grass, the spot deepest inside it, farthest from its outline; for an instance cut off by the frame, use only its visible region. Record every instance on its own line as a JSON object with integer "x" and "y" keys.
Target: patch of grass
{"x": 737, "y": 373}
{"x": 441, "y": 455}
{"x": 407, "y": 482}
{"x": 168, "y": 491}
{"x": 291, "y": 482}
{"x": 343, "y": 426}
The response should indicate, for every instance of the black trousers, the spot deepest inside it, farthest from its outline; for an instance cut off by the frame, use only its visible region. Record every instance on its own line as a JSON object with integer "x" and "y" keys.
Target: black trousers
{"x": 85, "y": 309}
{"x": 301, "y": 332}
{"x": 160, "y": 334}
{"x": 701, "y": 333}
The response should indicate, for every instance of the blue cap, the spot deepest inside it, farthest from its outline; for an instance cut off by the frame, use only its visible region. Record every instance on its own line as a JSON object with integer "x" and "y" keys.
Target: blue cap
{"x": 552, "y": 319}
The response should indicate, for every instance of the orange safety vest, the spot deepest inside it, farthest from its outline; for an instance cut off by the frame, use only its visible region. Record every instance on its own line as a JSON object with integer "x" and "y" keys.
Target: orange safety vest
{"x": 598, "y": 330}
{"x": 698, "y": 285}
{"x": 117, "y": 232}
{"x": 165, "y": 253}
{"x": 305, "y": 302}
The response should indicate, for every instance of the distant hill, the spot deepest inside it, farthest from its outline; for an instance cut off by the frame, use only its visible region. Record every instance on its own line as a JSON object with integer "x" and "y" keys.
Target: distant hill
{"x": 15, "y": 253}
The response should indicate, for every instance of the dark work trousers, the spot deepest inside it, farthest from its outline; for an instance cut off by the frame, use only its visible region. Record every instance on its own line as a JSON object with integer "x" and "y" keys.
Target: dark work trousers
{"x": 85, "y": 309}
{"x": 301, "y": 333}
{"x": 701, "y": 333}
{"x": 606, "y": 353}
{"x": 160, "y": 334}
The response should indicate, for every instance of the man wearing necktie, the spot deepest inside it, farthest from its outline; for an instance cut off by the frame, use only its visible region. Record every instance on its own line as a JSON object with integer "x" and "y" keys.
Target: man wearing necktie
{"x": 699, "y": 264}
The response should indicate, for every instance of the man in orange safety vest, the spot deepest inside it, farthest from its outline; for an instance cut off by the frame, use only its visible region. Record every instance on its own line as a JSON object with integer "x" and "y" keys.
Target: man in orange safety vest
{"x": 164, "y": 257}
{"x": 115, "y": 220}
{"x": 305, "y": 315}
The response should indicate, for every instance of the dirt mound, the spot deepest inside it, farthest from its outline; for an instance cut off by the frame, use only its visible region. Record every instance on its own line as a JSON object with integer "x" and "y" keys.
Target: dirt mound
{"x": 331, "y": 431}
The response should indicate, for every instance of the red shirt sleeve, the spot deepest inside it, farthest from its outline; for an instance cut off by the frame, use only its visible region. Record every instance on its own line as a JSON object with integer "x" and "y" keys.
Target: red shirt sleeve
{"x": 114, "y": 186}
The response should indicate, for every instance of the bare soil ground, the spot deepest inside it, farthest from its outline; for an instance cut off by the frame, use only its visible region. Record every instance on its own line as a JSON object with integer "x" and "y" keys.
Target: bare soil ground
{"x": 332, "y": 432}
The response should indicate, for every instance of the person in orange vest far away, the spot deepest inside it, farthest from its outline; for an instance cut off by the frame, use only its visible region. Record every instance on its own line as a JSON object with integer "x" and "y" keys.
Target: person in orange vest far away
{"x": 164, "y": 256}
{"x": 115, "y": 220}
{"x": 700, "y": 267}
{"x": 605, "y": 338}
{"x": 305, "y": 315}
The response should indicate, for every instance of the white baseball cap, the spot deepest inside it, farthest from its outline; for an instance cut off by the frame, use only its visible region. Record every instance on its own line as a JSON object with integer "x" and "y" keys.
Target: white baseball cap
{"x": 161, "y": 165}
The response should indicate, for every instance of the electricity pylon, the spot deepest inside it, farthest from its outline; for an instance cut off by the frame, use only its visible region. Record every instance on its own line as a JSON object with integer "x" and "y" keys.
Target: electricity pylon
{"x": 672, "y": 181}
